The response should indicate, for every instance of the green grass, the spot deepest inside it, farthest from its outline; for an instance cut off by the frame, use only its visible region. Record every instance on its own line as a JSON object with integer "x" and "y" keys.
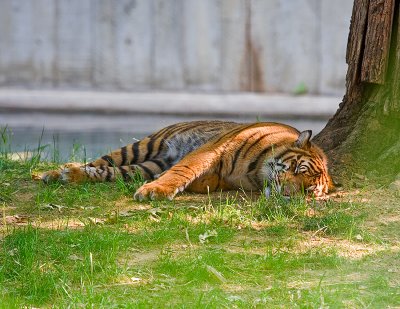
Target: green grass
{"x": 91, "y": 245}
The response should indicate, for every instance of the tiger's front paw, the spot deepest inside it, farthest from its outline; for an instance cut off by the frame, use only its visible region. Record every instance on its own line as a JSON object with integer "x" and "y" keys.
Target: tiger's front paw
{"x": 154, "y": 191}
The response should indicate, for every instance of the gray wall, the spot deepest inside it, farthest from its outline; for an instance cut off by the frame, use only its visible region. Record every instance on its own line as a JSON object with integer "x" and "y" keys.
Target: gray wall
{"x": 211, "y": 45}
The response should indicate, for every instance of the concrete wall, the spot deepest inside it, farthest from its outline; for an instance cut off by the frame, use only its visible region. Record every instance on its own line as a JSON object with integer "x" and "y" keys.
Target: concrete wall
{"x": 211, "y": 45}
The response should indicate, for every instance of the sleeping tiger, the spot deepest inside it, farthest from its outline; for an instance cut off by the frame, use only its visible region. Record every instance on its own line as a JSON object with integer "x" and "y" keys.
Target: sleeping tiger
{"x": 205, "y": 156}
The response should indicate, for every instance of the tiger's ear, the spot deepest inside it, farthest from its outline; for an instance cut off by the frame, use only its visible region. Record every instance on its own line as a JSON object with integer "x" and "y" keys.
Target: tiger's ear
{"x": 303, "y": 141}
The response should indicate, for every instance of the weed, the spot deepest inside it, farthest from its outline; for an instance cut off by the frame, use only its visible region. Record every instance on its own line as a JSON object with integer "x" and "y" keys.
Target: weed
{"x": 78, "y": 153}
{"x": 127, "y": 187}
{"x": 338, "y": 224}
{"x": 280, "y": 208}
{"x": 56, "y": 158}
{"x": 5, "y": 141}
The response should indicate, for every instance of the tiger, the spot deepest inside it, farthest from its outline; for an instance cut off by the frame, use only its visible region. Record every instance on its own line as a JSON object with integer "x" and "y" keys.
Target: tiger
{"x": 206, "y": 156}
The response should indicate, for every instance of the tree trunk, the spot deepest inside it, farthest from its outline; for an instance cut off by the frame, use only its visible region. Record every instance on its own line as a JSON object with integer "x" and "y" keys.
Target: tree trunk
{"x": 364, "y": 134}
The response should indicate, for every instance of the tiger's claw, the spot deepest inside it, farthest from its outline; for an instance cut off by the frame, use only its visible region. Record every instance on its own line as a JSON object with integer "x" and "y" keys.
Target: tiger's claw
{"x": 153, "y": 191}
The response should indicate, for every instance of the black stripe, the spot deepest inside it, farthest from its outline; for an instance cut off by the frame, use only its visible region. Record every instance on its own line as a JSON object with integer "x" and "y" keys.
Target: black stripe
{"x": 150, "y": 145}
{"x": 289, "y": 158}
{"x": 135, "y": 151}
{"x": 108, "y": 176}
{"x": 124, "y": 173}
{"x": 160, "y": 148}
{"x": 312, "y": 169}
{"x": 147, "y": 170}
{"x": 253, "y": 165}
{"x": 256, "y": 142}
{"x": 101, "y": 170}
{"x": 124, "y": 154}
{"x": 232, "y": 132}
{"x": 182, "y": 175}
{"x": 281, "y": 155}
{"x": 253, "y": 182}
{"x": 312, "y": 161}
{"x": 237, "y": 153}
{"x": 316, "y": 162}
{"x": 169, "y": 161}
{"x": 160, "y": 164}
{"x": 157, "y": 134}
{"x": 108, "y": 159}
{"x": 177, "y": 129}
{"x": 91, "y": 164}
{"x": 221, "y": 164}
{"x": 189, "y": 168}
{"x": 171, "y": 129}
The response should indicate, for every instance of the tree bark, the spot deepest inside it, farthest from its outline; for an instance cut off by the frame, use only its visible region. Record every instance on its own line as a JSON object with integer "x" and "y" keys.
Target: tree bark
{"x": 364, "y": 134}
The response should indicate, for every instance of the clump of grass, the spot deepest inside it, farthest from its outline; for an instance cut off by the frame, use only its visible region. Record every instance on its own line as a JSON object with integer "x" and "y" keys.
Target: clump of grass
{"x": 193, "y": 268}
{"x": 5, "y": 144}
{"x": 279, "y": 208}
{"x": 337, "y": 223}
{"x": 39, "y": 264}
{"x": 128, "y": 187}
{"x": 78, "y": 153}
{"x": 56, "y": 157}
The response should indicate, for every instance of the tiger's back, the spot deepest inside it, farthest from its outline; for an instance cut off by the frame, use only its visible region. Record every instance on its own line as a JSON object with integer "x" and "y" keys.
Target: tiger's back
{"x": 211, "y": 155}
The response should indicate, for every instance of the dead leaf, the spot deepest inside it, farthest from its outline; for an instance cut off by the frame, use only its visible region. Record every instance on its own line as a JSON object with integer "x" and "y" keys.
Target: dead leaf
{"x": 361, "y": 177}
{"x": 203, "y": 238}
{"x": 135, "y": 279}
{"x": 216, "y": 274}
{"x": 12, "y": 252}
{"x": 358, "y": 237}
{"x": 128, "y": 213}
{"x": 88, "y": 207}
{"x": 74, "y": 257}
{"x": 154, "y": 218}
{"x": 95, "y": 221}
{"x": 52, "y": 206}
{"x": 155, "y": 211}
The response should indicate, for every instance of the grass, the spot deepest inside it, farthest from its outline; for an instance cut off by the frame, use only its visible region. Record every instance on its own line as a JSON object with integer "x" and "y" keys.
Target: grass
{"x": 91, "y": 245}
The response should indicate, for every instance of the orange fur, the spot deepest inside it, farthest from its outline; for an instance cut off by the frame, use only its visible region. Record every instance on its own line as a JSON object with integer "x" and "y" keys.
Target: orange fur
{"x": 206, "y": 156}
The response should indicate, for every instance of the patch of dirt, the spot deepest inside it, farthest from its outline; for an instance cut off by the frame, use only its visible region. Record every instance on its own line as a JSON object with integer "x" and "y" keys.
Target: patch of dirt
{"x": 141, "y": 258}
{"x": 59, "y": 223}
{"x": 25, "y": 197}
{"x": 127, "y": 204}
{"x": 327, "y": 280}
{"x": 137, "y": 258}
{"x": 344, "y": 248}
{"x": 391, "y": 218}
{"x": 15, "y": 220}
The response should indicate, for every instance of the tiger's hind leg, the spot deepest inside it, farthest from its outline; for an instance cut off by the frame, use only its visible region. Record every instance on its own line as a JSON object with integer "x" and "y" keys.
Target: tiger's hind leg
{"x": 133, "y": 157}
{"x": 76, "y": 173}
{"x": 149, "y": 170}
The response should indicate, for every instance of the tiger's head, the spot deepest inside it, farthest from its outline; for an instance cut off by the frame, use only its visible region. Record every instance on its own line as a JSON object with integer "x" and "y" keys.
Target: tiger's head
{"x": 300, "y": 167}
